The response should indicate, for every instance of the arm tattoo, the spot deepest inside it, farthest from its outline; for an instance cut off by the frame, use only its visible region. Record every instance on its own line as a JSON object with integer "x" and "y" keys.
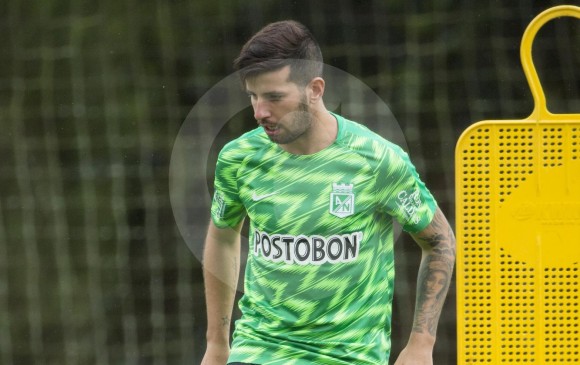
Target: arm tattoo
{"x": 435, "y": 273}
{"x": 225, "y": 321}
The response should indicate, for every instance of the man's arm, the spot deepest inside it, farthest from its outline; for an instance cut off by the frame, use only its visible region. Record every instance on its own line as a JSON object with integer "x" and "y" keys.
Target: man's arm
{"x": 437, "y": 243}
{"x": 221, "y": 263}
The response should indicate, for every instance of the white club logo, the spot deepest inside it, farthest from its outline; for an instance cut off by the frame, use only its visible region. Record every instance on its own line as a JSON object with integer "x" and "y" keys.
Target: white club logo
{"x": 342, "y": 200}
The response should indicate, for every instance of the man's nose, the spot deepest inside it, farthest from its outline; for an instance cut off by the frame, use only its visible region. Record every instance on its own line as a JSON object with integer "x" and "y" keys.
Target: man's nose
{"x": 261, "y": 110}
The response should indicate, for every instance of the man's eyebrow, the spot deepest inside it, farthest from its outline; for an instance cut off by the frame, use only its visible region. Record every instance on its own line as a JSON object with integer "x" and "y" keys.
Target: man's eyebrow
{"x": 268, "y": 94}
{"x": 274, "y": 93}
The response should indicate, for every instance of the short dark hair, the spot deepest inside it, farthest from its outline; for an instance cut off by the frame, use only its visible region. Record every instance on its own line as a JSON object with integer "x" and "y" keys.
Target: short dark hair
{"x": 278, "y": 45}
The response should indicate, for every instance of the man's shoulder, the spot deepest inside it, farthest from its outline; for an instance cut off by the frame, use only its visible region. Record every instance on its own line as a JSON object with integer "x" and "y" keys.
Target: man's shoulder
{"x": 245, "y": 144}
{"x": 359, "y": 137}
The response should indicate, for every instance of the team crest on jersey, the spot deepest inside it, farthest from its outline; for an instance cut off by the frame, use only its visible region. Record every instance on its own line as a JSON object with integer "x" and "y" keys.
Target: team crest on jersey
{"x": 342, "y": 200}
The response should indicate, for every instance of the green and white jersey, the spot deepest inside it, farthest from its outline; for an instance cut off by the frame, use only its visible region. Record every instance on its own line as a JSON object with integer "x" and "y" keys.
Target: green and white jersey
{"x": 320, "y": 270}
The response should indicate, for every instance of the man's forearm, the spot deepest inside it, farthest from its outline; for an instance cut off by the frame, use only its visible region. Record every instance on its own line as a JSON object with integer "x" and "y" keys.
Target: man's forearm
{"x": 435, "y": 273}
{"x": 221, "y": 269}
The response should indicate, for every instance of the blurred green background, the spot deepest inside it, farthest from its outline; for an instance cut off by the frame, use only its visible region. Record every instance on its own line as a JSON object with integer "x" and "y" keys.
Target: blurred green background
{"x": 93, "y": 269}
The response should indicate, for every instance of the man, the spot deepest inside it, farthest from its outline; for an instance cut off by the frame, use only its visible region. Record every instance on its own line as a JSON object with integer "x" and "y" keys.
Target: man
{"x": 321, "y": 193}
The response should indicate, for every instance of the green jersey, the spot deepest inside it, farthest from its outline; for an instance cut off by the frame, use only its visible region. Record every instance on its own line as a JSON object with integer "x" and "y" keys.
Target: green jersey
{"x": 319, "y": 277}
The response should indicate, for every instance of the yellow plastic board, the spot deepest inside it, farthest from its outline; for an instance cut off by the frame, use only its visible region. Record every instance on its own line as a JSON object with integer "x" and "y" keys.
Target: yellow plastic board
{"x": 518, "y": 231}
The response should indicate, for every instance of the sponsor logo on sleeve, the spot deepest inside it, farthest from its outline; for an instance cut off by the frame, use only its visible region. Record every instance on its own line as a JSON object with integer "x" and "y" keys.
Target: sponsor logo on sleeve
{"x": 410, "y": 203}
{"x": 219, "y": 204}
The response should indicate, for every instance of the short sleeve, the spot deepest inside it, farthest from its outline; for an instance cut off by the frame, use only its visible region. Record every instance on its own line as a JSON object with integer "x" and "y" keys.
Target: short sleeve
{"x": 227, "y": 209}
{"x": 402, "y": 193}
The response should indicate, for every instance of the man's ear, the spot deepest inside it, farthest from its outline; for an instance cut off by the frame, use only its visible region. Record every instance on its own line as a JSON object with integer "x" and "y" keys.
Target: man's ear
{"x": 316, "y": 90}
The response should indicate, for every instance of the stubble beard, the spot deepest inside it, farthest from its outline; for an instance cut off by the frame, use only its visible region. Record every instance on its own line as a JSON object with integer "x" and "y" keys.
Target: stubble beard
{"x": 302, "y": 120}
